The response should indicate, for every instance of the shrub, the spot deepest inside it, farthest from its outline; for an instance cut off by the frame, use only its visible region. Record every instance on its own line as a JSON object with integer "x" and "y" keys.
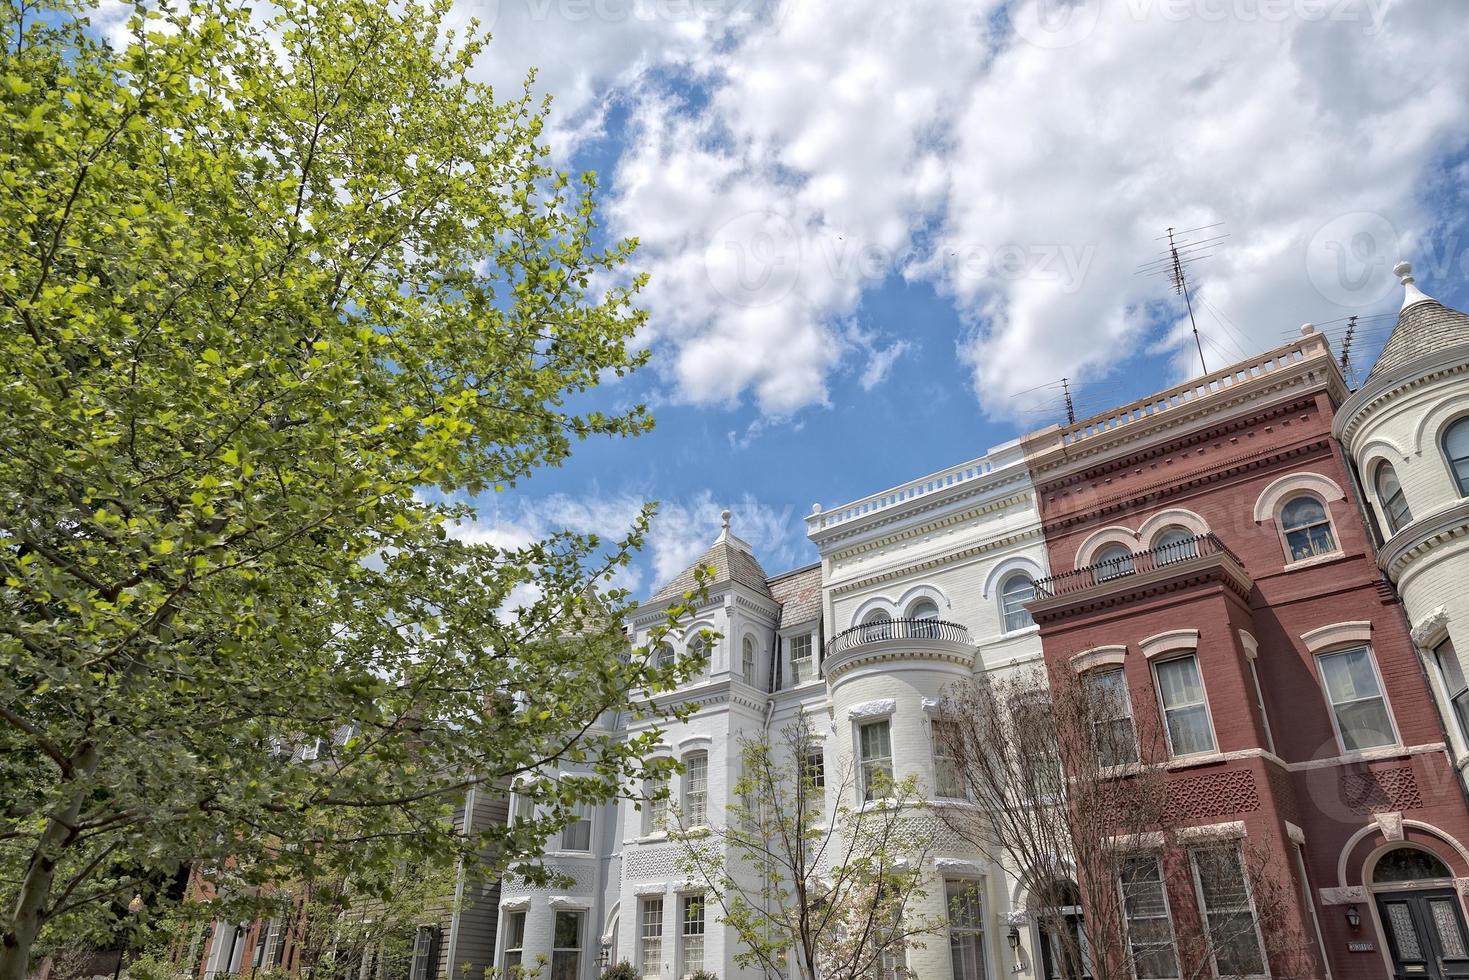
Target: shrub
{"x": 621, "y": 971}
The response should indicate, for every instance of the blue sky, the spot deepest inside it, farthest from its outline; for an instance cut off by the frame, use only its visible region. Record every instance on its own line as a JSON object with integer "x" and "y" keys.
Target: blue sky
{"x": 878, "y": 233}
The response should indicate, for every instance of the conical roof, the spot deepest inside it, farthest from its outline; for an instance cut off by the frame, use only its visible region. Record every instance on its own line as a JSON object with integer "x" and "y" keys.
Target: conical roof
{"x": 1425, "y": 326}
{"x": 731, "y": 560}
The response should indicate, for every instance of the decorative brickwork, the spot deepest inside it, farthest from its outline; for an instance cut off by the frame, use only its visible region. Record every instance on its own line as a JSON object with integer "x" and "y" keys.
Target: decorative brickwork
{"x": 1213, "y": 794}
{"x": 1284, "y": 792}
{"x": 1381, "y": 791}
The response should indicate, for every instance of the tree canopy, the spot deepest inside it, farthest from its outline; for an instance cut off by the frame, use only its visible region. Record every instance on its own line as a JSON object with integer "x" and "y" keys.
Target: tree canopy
{"x": 278, "y": 290}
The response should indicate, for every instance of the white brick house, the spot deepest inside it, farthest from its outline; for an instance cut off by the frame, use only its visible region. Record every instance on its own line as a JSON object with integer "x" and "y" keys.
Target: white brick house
{"x": 917, "y": 587}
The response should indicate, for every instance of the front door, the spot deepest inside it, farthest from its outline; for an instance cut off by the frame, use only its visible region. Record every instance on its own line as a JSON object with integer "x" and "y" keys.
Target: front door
{"x": 1425, "y": 934}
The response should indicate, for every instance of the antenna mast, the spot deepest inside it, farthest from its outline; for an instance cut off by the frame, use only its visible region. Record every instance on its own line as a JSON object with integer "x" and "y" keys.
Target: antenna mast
{"x": 1346, "y": 350}
{"x": 1180, "y": 286}
{"x": 1181, "y": 253}
{"x": 1070, "y": 405}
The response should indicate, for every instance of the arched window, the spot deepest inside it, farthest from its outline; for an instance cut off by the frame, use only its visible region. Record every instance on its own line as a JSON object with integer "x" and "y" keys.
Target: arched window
{"x": 1175, "y": 544}
{"x": 666, "y": 656}
{"x": 698, "y": 650}
{"x": 879, "y": 626}
{"x": 926, "y": 612}
{"x": 1307, "y": 528}
{"x": 747, "y": 661}
{"x": 1390, "y": 496}
{"x": 1114, "y": 560}
{"x": 1015, "y": 592}
{"x": 1456, "y": 451}
{"x": 1408, "y": 864}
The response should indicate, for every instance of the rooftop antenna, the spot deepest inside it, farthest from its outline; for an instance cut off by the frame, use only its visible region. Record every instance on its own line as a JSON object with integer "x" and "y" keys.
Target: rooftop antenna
{"x": 1184, "y": 249}
{"x": 1070, "y": 405}
{"x": 1346, "y": 350}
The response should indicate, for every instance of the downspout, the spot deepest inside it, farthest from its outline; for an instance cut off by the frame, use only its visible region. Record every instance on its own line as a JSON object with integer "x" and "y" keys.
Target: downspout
{"x": 452, "y": 947}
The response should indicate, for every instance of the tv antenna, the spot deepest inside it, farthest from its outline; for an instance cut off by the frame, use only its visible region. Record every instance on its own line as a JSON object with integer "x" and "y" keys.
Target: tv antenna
{"x": 1070, "y": 405}
{"x": 1346, "y": 350}
{"x": 1184, "y": 249}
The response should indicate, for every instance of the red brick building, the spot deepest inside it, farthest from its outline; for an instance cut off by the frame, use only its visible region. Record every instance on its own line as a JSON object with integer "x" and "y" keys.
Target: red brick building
{"x": 1207, "y": 543}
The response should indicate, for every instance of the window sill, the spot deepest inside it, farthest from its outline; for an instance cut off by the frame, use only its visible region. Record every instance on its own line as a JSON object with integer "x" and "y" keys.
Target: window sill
{"x": 1312, "y": 562}
{"x": 1024, "y": 631}
{"x": 1198, "y": 759}
{"x": 692, "y": 833}
{"x": 567, "y": 854}
{"x": 657, "y": 837}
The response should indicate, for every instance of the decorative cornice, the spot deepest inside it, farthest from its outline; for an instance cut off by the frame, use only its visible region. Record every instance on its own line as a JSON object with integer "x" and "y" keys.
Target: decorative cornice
{"x": 918, "y": 530}
{"x": 1325, "y": 637}
{"x": 1379, "y": 390}
{"x": 1169, "y": 642}
{"x": 1172, "y": 577}
{"x": 1430, "y": 631}
{"x": 940, "y": 560}
{"x": 888, "y": 651}
{"x": 1421, "y": 537}
{"x": 1105, "y": 656}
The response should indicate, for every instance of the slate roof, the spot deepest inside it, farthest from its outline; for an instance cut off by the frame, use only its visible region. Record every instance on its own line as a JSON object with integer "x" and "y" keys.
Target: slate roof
{"x": 1425, "y": 327}
{"x": 799, "y": 595}
{"x": 731, "y": 564}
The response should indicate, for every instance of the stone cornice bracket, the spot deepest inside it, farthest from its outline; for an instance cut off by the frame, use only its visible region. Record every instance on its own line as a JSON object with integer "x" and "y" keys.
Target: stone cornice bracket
{"x": 1432, "y": 630}
{"x": 1170, "y": 642}
{"x": 1337, "y": 634}
{"x": 1104, "y": 656}
{"x": 1249, "y": 644}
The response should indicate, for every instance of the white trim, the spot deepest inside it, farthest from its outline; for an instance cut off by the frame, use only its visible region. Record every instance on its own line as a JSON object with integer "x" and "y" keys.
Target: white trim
{"x": 1322, "y": 638}
{"x": 874, "y": 710}
{"x": 694, "y": 742}
{"x": 1169, "y": 642}
{"x": 1229, "y": 830}
{"x": 648, "y": 889}
{"x": 1097, "y": 540}
{"x": 569, "y": 903}
{"x": 1268, "y": 505}
{"x": 957, "y": 868}
{"x": 1250, "y": 645}
{"x": 1001, "y": 570}
{"x": 923, "y": 591}
{"x": 1175, "y": 517}
{"x": 1296, "y": 834}
{"x": 1105, "y": 656}
{"x": 868, "y": 606}
{"x": 515, "y": 904}
{"x": 1163, "y": 709}
{"x": 1432, "y": 629}
{"x": 1397, "y": 742}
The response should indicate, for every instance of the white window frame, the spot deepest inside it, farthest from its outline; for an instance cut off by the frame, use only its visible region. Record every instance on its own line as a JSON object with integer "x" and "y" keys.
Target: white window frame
{"x": 1137, "y": 748}
{"x": 509, "y": 933}
{"x": 1381, "y": 689}
{"x": 1260, "y": 702}
{"x": 749, "y": 662}
{"x": 1460, "y": 487}
{"x": 1203, "y": 907}
{"x": 939, "y": 759}
{"x": 648, "y": 939}
{"x": 581, "y": 937}
{"x": 1283, "y": 532}
{"x": 1167, "y": 913}
{"x": 584, "y": 813}
{"x": 1384, "y": 501}
{"x": 1309, "y": 901}
{"x": 695, "y": 795}
{"x": 522, "y": 808}
{"x": 1123, "y": 565}
{"x": 1163, "y": 708}
{"x": 655, "y": 810}
{"x": 799, "y": 676}
{"x": 864, "y": 790}
{"x": 966, "y": 931}
{"x": 686, "y": 904}
{"x": 1005, "y": 596}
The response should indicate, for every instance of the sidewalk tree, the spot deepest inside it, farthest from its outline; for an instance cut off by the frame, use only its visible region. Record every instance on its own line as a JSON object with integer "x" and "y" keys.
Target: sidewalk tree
{"x": 811, "y": 882}
{"x": 280, "y": 287}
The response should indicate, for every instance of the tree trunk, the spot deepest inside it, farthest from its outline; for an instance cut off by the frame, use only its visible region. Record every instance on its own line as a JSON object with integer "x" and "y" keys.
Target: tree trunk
{"x": 35, "y": 887}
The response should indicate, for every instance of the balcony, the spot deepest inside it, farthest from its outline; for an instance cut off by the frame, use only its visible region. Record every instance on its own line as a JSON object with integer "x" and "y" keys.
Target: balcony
{"x": 1201, "y": 556}
{"x": 895, "y": 636}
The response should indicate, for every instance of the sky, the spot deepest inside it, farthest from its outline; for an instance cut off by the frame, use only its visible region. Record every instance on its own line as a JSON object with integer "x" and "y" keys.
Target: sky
{"x": 880, "y": 232}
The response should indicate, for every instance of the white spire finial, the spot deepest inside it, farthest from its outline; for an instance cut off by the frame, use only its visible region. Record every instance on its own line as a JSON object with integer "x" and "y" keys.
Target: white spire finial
{"x": 724, "y": 520}
{"x": 1411, "y": 293}
{"x": 1307, "y": 328}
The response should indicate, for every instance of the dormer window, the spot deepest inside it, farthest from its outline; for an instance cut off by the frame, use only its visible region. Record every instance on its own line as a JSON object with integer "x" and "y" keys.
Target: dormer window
{"x": 801, "y": 671}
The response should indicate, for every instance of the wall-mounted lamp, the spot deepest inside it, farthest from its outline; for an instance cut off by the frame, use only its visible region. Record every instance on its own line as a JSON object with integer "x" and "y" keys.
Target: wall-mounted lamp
{"x": 1014, "y": 938}
{"x": 1354, "y": 918}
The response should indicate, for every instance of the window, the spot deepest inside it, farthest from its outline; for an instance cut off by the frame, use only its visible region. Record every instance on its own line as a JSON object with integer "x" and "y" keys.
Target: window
{"x": 274, "y": 948}
{"x": 577, "y": 835}
{"x": 800, "y": 659}
{"x": 925, "y": 615}
{"x": 1357, "y": 704}
{"x": 1185, "y": 711}
{"x": 1307, "y": 528}
{"x": 1175, "y": 544}
{"x": 1452, "y": 675}
{"x": 1224, "y": 898}
{"x": 655, "y": 806}
{"x": 1113, "y": 561}
{"x": 514, "y": 941}
{"x": 1390, "y": 496}
{"x": 1260, "y": 703}
{"x": 522, "y": 808}
{"x": 966, "y": 929}
{"x": 747, "y": 661}
{"x": 875, "y": 749}
{"x": 1038, "y": 752}
{"x": 696, "y": 789}
{"x": 1308, "y": 901}
{"x": 691, "y": 936}
{"x": 1015, "y": 592}
{"x": 1456, "y": 452}
{"x": 1111, "y": 710}
{"x": 566, "y": 948}
{"x": 1145, "y": 908}
{"x": 698, "y": 651}
{"x": 879, "y": 626}
{"x": 425, "y": 963}
{"x": 814, "y": 773}
{"x": 666, "y": 656}
{"x": 946, "y": 782}
{"x": 650, "y": 937}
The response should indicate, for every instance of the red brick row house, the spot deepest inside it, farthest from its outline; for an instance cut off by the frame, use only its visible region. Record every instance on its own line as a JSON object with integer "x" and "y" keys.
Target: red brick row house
{"x": 1208, "y": 550}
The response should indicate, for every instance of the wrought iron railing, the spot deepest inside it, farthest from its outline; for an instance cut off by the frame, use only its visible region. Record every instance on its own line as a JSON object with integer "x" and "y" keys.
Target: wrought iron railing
{"x": 896, "y": 629}
{"x": 1113, "y": 570}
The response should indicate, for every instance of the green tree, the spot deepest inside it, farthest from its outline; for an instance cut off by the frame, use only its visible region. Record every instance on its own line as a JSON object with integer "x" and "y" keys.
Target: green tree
{"x": 277, "y": 290}
{"x": 813, "y": 885}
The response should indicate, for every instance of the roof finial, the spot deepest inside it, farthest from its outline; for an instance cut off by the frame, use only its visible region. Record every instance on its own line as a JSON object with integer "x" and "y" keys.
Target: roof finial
{"x": 724, "y": 520}
{"x": 1411, "y": 293}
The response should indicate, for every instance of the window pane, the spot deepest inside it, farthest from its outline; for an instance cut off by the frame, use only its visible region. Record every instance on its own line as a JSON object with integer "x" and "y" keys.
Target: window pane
{"x": 1182, "y": 691}
{"x": 696, "y": 788}
{"x": 1349, "y": 675}
{"x": 747, "y": 661}
{"x": 1456, "y": 448}
{"x": 1149, "y": 933}
{"x": 1018, "y": 590}
{"x": 650, "y": 939}
{"x": 1301, "y": 512}
{"x": 1176, "y": 544}
{"x": 876, "y": 754}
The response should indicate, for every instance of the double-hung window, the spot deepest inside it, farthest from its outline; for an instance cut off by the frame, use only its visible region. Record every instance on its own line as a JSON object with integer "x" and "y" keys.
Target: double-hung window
{"x": 577, "y": 835}
{"x": 1260, "y": 703}
{"x": 875, "y": 749}
{"x": 1111, "y": 711}
{"x": 1357, "y": 703}
{"x": 1145, "y": 909}
{"x": 691, "y": 936}
{"x": 1014, "y": 594}
{"x": 1224, "y": 898}
{"x": 514, "y": 947}
{"x": 747, "y": 661}
{"x": 1456, "y": 454}
{"x": 566, "y": 948}
{"x": 425, "y": 962}
{"x": 696, "y": 789}
{"x": 1185, "y": 711}
{"x": 1390, "y": 495}
{"x": 946, "y": 782}
{"x": 800, "y": 659}
{"x": 655, "y": 806}
{"x": 650, "y": 937}
{"x": 966, "y": 929}
{"x": 813, "y": 775}
{"x": 1452, "y": 675}
{"x": 1307, "y": 528}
